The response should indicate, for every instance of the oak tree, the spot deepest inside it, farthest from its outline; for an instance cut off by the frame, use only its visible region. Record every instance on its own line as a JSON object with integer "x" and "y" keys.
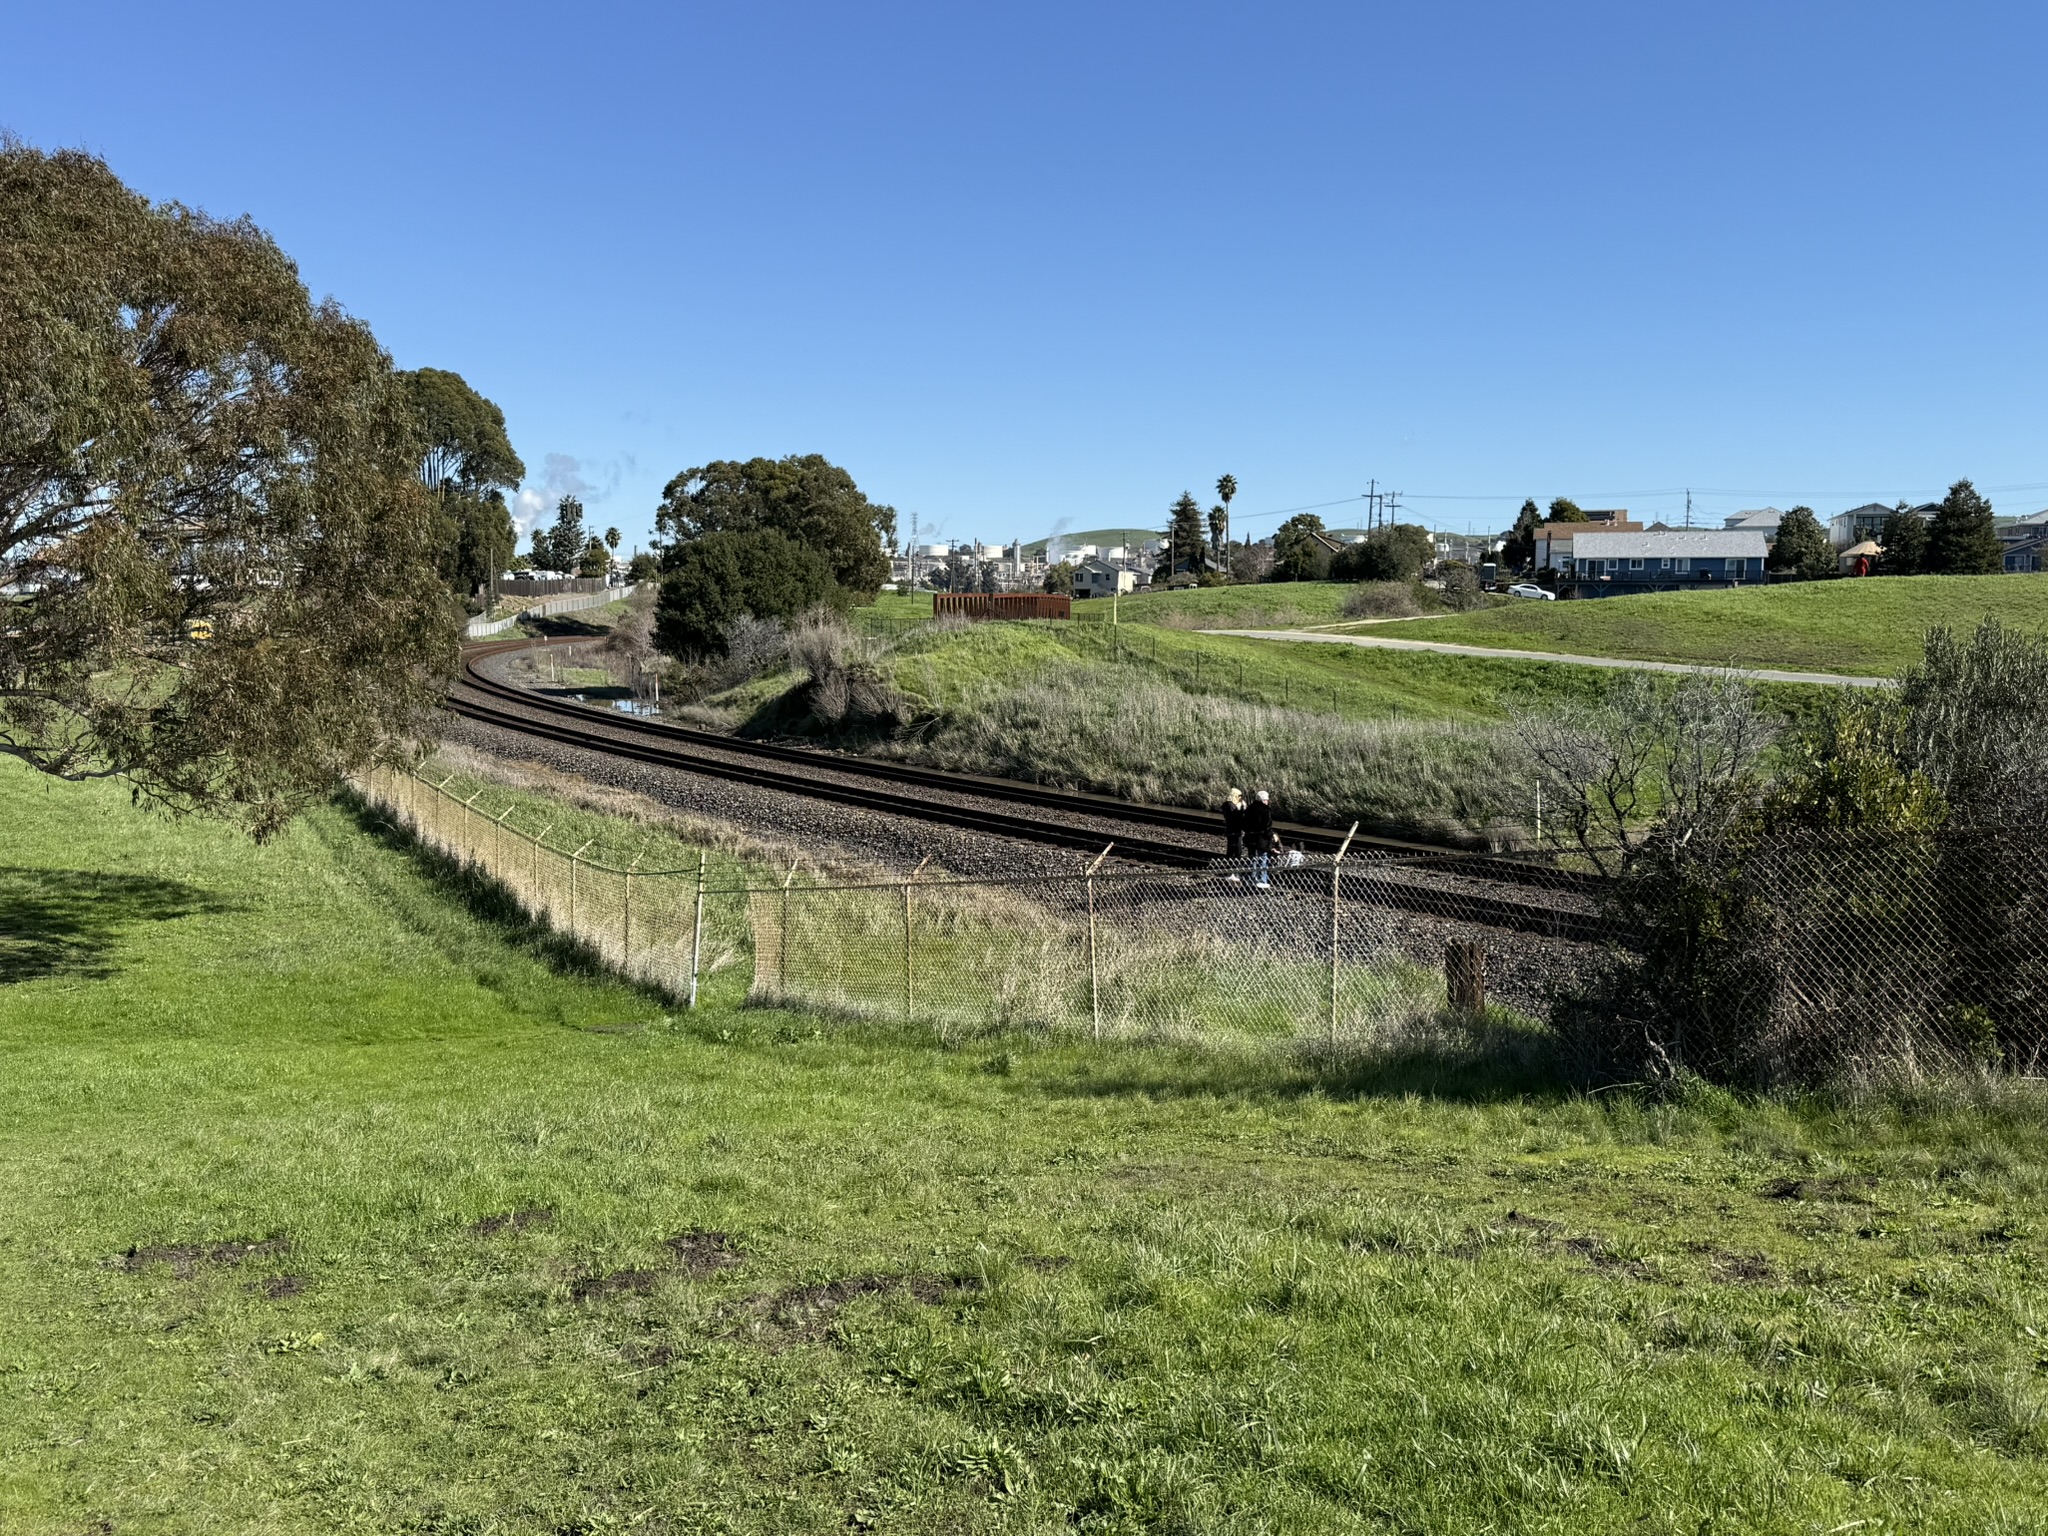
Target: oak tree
{"x": 806, "y": 498}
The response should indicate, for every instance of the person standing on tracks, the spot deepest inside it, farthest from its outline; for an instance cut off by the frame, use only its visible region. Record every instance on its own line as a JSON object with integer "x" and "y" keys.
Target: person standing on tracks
{"x": 1258, "y": 838}
{"x": 1234, "y": 811}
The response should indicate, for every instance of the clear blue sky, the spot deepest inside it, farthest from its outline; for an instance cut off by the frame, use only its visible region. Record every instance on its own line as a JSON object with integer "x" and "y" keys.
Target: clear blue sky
{"x": 1030, "y": 266}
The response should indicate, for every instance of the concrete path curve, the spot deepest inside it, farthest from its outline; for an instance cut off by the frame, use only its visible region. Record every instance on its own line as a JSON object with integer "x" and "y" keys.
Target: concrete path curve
{"x": 1376, "y": 642}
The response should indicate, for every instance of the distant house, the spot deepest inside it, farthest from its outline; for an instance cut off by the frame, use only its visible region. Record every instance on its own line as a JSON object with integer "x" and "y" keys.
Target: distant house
{"x": 1764, "y": 520}
{"x": 1096, "y": 577}
{"x": 1847, "y": 529}
{"x": 2027, "y": 557}
{"x": 1669, "y": 560}
{"x": 1554, "y": 540}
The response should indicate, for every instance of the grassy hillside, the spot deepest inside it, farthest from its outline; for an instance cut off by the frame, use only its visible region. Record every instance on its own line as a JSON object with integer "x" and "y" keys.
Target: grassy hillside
{"x": 1870, "y": 626}
{"x": 1269, "y": 605}
{"x": 332, "y": 1205}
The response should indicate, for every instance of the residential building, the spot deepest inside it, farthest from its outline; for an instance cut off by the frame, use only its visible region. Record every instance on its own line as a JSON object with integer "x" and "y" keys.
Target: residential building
{"x": 1554, "y": 540}
{"x": 1095, "y": 577}
{"x": 1605, "y": 562}
{"x": 2027, "y": 557}
{"x": 1764, "y": 520}
{"x": 1846, "y": 529}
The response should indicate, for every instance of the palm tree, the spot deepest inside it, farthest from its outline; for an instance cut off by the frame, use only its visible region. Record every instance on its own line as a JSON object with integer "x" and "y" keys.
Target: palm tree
{"x": 1226, "y": 487}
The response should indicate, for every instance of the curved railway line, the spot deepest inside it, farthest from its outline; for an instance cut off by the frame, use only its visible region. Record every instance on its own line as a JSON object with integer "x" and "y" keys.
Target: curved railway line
{"x": 1432, "y": 879}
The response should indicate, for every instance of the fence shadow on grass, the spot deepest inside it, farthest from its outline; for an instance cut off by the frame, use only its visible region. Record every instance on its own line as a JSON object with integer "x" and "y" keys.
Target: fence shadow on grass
{"x": 483, "y": 898}
{"x": 65, "y": 922}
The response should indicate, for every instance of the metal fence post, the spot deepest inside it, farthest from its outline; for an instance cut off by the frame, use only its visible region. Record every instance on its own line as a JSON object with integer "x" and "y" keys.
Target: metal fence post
{"x": 534, "y": 887}
{"x": 572, "y": 883}
{"x": 697, "y": 933}
{"x": 469, "y": 815}
{"x": 782, "y": 937}
{"x": 626, "y": 932}
{"x": 498, "y": 843}
{"x": 1094, "y": 968}
{"x": 1336, "y": 899}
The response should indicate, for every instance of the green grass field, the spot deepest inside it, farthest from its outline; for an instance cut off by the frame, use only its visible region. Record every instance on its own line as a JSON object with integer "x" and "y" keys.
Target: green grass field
{"x": 1872, "y": 627}
{"x": 1269, "y": 605}
{"x": 269, "y": 1113}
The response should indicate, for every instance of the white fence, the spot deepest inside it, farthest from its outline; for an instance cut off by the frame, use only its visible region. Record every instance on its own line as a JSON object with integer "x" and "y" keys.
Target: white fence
{"x": 570, "y": 602}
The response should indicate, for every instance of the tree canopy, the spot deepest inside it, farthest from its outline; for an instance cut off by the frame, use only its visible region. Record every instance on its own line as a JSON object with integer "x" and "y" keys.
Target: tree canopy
{"x": 1298, "y": 555}
{"x": 713, "y": 580}
{"x": 1904, "y": 538}
{"x": 1961, "y": 539}
{"x": 1518, "y": 552}
{"x": 1564, "y": 510}
{"x": 1802, "y": 551}
{"x": 1394, "y": 553}
{"x": 560, "y": 547}
{"x": 804, "y": 497}
{"x": 464, "y": 432}
{"x": 188, "y": 442}
{"x": 1186, "y": 536}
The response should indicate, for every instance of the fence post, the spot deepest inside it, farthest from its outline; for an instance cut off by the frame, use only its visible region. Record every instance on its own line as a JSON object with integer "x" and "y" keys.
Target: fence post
{"x": 469, "y": 815}
{"x": 1465, "y": 976}
{"x": 782, "y": 937}
{"x": 1336, "y": 899}
{"x": 572, "y": 883}
{"x": 626, "y": 935}
{"x": 697, "y": 933}
{"x": 498, "y": 842}
{"x": 909, "y": 958}
{"x": 1094, "y": 968}
{"x": 533, "y": 887}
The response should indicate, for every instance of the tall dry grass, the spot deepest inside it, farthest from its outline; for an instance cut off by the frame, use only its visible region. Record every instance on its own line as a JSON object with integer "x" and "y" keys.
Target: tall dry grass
{"x": 1118, "y": 730}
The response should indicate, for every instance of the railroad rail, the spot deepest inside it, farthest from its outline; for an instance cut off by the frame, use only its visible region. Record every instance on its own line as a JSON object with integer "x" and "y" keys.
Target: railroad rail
{"x": 1531, "y": 905}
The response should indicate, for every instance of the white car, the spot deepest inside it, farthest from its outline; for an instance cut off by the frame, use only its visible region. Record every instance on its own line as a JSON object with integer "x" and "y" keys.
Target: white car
{"x": 1530, "y": 589}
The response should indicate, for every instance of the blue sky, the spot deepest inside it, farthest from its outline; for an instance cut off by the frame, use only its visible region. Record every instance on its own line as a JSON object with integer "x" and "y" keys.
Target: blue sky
{"x": 1037, "y": 266}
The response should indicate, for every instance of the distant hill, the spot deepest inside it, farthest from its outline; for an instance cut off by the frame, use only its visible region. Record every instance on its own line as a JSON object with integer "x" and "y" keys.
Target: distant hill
{"x": 1102, "y": 538}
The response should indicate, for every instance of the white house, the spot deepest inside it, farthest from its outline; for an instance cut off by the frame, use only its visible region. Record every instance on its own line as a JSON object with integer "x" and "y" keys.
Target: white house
{"x": 1098, "y": 578}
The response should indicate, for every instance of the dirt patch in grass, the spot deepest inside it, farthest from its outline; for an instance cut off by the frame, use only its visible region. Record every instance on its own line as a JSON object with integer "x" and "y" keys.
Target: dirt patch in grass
{"x": 694, "y": 1254}
{"x": 1841, "y": 1187}
{"x": 806, "y": 1312}
{"x": 187, "y": 1259}
{"x": 1045, "y": 1263}
{"x": 513, "y": 1221}
{"x": 283, "y": 1287}
{"x": 700, "y": 1252}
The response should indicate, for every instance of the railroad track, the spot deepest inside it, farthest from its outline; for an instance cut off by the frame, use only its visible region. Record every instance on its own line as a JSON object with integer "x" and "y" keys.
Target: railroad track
{"x": 1553, "y": 903}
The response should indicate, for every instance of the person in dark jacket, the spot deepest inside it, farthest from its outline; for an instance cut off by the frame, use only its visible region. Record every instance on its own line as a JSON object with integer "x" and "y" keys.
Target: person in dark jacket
{"x": 1233, "y": 825}
{"x": 1258, "y": 838}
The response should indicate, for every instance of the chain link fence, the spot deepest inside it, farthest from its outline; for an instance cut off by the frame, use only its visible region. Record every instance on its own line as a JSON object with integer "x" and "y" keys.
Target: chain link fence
{"x": 1820, "y": 956}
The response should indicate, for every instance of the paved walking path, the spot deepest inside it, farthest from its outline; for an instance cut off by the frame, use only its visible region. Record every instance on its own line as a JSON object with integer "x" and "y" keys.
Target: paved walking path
{"x": 1377, "y": 642}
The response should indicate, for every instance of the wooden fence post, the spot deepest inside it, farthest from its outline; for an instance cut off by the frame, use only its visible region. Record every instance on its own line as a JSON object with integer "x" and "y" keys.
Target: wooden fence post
{"x": 697, "y": 933}
{"x": 626, "y": 936}
{"x": 909, "y": 954}
{"x": 1336, "y": 900}
{"x": 1465, "y": 976}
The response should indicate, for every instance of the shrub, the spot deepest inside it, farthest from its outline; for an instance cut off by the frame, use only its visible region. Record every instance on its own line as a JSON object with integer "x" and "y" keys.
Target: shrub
{"x": 715, "y": 580}
{"x": 1381, "y": 600}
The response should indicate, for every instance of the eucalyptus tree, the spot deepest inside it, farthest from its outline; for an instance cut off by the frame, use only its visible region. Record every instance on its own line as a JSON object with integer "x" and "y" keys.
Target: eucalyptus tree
{"x": 217, "y": 562}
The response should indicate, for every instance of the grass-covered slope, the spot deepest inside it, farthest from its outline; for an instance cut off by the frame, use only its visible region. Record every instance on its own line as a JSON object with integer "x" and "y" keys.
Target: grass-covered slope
{"x": 1872, "y": 626}
{"x": 1268, "y": 605}
{"x": 993, "y": 1289}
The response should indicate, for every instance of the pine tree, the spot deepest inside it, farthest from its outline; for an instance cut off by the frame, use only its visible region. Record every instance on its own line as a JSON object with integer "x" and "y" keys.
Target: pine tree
{"x": 1961, "y": 540}
{"x": 1186, "y": 538}
{"x": 1904, "y": 537}
{"x": 1802, "y": 551}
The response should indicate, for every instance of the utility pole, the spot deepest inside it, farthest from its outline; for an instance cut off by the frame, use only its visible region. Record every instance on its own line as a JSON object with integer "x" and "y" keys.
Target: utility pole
{"x": 1688, "y": 507}
{"x": 913, "y": 551}
{"x": 1389, "y": 505}
{"x": 1372, "y": 503}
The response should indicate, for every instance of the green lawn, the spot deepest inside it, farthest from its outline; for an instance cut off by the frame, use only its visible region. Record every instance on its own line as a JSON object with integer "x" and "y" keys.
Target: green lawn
{"x": 994, "y": 1288}
{"x": 1869, "y": 626}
